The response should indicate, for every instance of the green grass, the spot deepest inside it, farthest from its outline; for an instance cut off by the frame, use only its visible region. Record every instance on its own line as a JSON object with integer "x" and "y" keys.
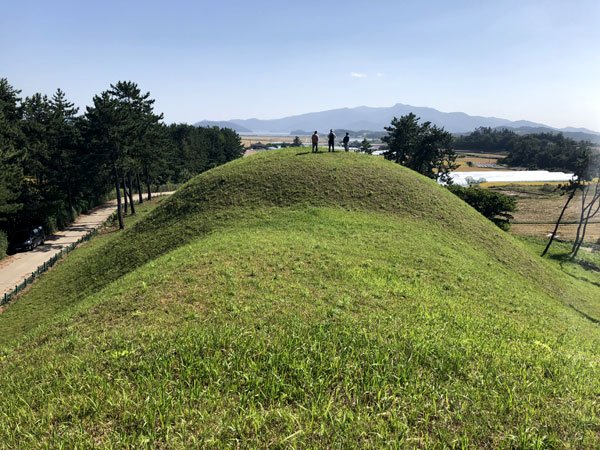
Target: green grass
{"x": 305, "y": 301}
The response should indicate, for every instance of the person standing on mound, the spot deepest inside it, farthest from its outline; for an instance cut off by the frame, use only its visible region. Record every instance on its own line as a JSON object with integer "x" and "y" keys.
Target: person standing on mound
{"x": 331, "y": 141}
{"x": 315, "y": 142}
{"x": 346, "y": 141}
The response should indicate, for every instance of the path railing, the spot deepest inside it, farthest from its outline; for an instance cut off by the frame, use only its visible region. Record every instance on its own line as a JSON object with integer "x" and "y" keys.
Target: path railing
{"x": 48, "y": 264}
{"x": 161, "y": 189}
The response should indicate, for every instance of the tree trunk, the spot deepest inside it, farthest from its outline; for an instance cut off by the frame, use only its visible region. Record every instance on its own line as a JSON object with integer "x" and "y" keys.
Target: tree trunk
{"x": 126, "y": 201}
{"x": 590, "y": 206}
{"x": 584, "y": 193}
{"x": 69, "y": 189}
{"x": 148, "y": 184}
{"x": 558, "y": 221}
{"x": 139, "y": 187}
{"x": 70, "y": 200}
{"x": 580, "y": 241}
{"x": 130, "y": 193}
{"x": 118, "y": 189}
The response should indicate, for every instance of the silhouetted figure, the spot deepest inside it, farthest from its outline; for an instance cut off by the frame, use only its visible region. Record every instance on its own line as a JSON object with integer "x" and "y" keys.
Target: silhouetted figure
{"x": 331, "y": 141}
{"x": 346, "y": 141}
{"x": 315, "y": 142}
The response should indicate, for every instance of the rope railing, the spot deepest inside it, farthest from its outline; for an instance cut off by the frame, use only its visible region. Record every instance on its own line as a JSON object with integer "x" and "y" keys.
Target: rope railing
{"x": 50, "y": 263}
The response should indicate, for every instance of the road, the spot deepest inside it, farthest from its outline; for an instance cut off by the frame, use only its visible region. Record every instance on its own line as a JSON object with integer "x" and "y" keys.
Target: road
{"x": 15, "y": 268}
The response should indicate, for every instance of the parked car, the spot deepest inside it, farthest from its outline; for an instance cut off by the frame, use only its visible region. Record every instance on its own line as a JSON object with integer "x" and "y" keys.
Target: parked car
{"x": 27, "y": 239}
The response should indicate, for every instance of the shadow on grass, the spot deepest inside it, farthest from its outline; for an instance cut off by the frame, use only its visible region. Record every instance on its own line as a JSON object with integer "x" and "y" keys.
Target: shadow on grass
{"x": 309, "y": 153}
{"x": 560, "y": 257}
{"x": 587, "y": 265}
{"x": 582, "y": 279}
{"x": 590, "y": 318}
{"x": 565, "y": 257}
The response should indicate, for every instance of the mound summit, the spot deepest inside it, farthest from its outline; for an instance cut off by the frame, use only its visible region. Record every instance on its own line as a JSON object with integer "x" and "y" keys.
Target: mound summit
{"x": 304, "y": 300}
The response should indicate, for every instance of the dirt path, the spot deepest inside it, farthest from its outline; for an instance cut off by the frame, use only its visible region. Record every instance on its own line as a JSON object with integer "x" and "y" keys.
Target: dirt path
{"x": 15, "y": 268}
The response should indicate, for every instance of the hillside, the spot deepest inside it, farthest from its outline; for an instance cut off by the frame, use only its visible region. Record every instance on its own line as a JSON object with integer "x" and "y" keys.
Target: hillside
{"x": 305, "y": 300}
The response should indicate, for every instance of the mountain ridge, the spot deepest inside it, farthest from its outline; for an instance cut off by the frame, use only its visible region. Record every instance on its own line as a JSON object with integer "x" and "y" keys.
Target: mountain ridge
{"x": 375, "y": 118}
{"x": 223, "y": 124}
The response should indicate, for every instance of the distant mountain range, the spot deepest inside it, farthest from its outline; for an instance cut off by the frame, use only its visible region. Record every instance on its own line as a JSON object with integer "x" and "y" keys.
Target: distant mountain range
{"x": 223, "y": 124}
{"x": 368, "y": 118}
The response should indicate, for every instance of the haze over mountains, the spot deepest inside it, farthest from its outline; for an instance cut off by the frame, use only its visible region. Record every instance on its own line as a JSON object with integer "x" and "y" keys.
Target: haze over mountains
{"x": 375, "y": 118}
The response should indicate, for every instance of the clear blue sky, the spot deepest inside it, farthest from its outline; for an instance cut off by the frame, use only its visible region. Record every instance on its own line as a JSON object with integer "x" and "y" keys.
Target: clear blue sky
{"x": 535, "y": 60}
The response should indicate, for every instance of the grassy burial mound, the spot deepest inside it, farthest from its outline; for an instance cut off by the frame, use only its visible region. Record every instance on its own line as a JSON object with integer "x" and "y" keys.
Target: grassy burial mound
{"x": 304, "y": 300}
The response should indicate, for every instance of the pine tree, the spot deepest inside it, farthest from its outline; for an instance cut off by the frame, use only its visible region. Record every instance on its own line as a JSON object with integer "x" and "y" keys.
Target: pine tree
{"x": 424, "y": 148}
{"x": 105, "y": 128}
{"x": 233, "y": 147}
{"x": 142, "y": 138}
{"x": 64, "y": 141}
{"x": 365, "y": 147}
{"x": 11, "y": 152}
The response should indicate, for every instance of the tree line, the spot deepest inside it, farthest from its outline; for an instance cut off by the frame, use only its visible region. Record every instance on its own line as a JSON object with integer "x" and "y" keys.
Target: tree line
{"x": 549, "y": 151}
{"x": 56, "y": 163}
{"x": 486, "y": 139}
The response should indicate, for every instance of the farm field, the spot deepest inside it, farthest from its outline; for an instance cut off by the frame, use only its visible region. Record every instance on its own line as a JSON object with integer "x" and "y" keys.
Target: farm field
{"x": 538, "y": 207}
{"x": 566, "y": 232}
{"x": 247, "y": 140}
{"x": 475, "y": 162}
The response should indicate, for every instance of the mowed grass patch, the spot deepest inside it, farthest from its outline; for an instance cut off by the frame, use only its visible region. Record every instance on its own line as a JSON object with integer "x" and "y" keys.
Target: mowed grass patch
{"x": 314, "y": 327}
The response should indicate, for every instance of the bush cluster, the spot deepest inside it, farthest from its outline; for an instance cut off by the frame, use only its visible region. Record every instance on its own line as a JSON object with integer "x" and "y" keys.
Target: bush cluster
{"x": 3, "y": 244}
{"x": 493, "y": 205}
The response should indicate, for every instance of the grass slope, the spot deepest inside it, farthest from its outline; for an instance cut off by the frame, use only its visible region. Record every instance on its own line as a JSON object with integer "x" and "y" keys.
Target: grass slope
{"x": 329, "y": 300}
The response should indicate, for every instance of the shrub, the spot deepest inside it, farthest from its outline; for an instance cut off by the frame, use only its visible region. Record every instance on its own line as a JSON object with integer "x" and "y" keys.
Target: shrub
{"x": 50, "y": 225}
{"x": 3, "y": 244}
{"x": 493, "y": 205}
